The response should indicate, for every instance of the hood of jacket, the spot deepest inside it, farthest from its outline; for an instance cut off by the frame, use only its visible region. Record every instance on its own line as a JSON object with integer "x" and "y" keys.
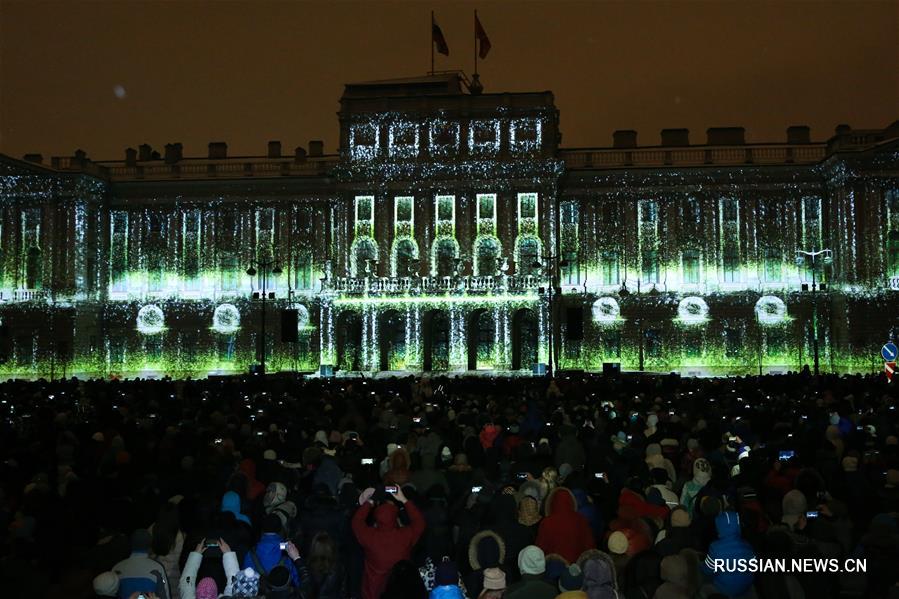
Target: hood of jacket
{"x": 449, "y": 591}
{"x": 599, "y": 578}
{"x": 399, "y": 459}
{"x": 486, "y": 550}
{"x": 560, "y": 501}
{"x": 385, "y": 516}
{"x": 728, "y": 525}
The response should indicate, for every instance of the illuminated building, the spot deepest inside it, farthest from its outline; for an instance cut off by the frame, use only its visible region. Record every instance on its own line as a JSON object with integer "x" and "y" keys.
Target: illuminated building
{"x": 451, "y": 232}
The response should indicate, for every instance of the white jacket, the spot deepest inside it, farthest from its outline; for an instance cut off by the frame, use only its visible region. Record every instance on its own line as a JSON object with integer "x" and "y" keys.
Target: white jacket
{"x": 188, "y": 583}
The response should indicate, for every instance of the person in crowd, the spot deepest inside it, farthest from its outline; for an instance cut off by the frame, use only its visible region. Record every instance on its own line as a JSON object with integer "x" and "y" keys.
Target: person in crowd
{"x": 729, "y": 547}
{"x": 139, "y": 573}
{"x": 324, "y": 577}
{"x": 271, "y": 551}
{"x": 207, "y": 588}
{"x": 532, "y": 565}
{"x": 385, "y": 543}
{"x": 494, "y": 584}
{"x": 563, "y": 530}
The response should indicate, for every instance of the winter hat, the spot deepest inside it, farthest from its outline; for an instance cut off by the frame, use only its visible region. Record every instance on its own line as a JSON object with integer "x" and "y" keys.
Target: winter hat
{"x": 892, "y": 440}
{"x": 278, "y": 578}
{"x": 141, "y": 539}
{"x": 446, "y": 573}
{"x": 494, "y": 579}
{"x": 702, "y": 471}
{"x": 528, "y": 511}
{"x": 391, "y": 447}
{"x": 692, "y": 444}
{"x": 269, "y": 454}
{"x": 246, "y": 583}
{"x": 207, "y": 589}
{"x": 834, "y": 418}
{"x": 445, "y": 454}
{"x": 794, "y": 505}
{"x": 572, "y": 579}
{"x": 321, "y": 437}
{"x": 618, "y": 543}
{"x": 680, "y": 518}
{"x": 850, "y": 464}
{"x": 99, "y": 438}
{"x": 652, "y": 420}
{"x": 531, "y": 560}
{"x": 106, "y": 584}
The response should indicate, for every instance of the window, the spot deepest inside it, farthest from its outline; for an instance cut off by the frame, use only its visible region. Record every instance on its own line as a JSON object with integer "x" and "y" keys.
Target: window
{"x": 303, "y": 270}
{"x": 365, "y": 209}
{"x": 484, "y": 136}
{"x": 191, "y": 248}
{"x": 405, "y": 258}
{"x": 228, "y": 272}
{"x": 118, "y": 259}
{"x": 403, "y": 209}
{"x": 649, "y": 212}
{"x": 33, "y": 269}
{"x": 156, "y": 222}
{"x": 691, "y": 266}
{"x": 403, "y": 140}
{"x": 487, "y": 251}
{"x": 730, "y": 210}
{"x": 154, "y": 270}
{"x": 731, "y": 263}
{"x": 365, "y": 253}
{"x": 445, "y": 254}
{"x": 609, "y": 261}
{"x": 773, "y": 265}
{"x": 527, "y": 206}
{"x": 571, "y": 269}
{"x": 364, "y": 141}
{"x": 569, "y": 215}
{"x": 445, "y": 208}
{"x": 526, "y": 135}
{"x": 486, "y": 206}
{"x": 226, "y": 344}
{"x": 650, "y": 266}
{"x": 444, "y": 138}
{"x": 733, "y": 342}
{"x": 529, "y": 256}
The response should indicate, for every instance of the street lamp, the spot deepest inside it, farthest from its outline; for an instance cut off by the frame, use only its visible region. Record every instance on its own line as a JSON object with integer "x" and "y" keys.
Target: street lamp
{"x": 555, "y": 266}
{"x": 826, "y": 257}
{"x": 265, "y": 266}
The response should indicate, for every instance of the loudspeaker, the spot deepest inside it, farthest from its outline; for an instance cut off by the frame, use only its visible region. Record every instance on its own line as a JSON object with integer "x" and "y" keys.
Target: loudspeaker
{"x": 289, "y": 319}
{"x": 611, "y": 368}
{"x": 575, "y": 319}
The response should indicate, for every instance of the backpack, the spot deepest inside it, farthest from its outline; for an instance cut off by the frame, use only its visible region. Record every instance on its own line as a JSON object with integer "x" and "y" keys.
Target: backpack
{"x": 264, "y": 586}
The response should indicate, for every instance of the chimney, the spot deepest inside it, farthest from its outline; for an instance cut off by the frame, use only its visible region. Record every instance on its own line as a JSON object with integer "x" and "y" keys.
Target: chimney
{"x": 218, "y": 149}
{"x": 316, "y": 147}
{"x": 842, "y": 129}
{"x": 146, "y": 152}
{"x": 675, "y": 137}
{"x": 274, "y": 149}
{"x": 299, "y": 155}
{"x": 624, "y": 139}
{"x": 799, "y": 134}
{"x": 130, "y": 157}
{"x": 726, "y": 136}
{"x": 35, "y": 158}
{"x": 173, "y": 153}
{"x": 80, "y": 155}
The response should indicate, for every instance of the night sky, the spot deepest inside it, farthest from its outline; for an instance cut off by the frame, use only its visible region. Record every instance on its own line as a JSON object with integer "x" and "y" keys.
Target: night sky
{"x": 103, "y": 76}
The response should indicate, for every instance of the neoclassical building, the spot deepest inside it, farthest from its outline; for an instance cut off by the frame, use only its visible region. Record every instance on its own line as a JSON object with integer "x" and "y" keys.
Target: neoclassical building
{"x": 452, "y": 231}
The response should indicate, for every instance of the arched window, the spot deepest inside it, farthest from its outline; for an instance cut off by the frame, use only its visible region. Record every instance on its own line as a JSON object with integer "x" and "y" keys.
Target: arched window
{"x": 528, "y": 259}
{"x": 446, "y": 251}
{"x": 364, "y": 251}
{"x": 486, "y": 251}
{"x": 33, "y": 269}
{"x": 405, "y": 258}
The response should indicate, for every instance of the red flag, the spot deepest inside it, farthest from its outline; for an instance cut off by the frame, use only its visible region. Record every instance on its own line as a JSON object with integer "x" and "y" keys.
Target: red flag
{"x": 482, "y": 38}
{"x": 438, "y": 39}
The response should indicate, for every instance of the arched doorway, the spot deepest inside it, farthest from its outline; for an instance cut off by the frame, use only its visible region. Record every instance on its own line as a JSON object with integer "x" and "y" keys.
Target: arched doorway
{"x": 524, "y": 339}
{"x": 349, "y": 341}
{"x": 436, "y": 340}
{"x": 481, "y": 339}
{"x": 392, "y": 340}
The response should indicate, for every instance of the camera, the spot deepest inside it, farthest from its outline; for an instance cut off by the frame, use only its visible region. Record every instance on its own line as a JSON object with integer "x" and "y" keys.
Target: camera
{"x": 522, "y": 475}
{"x": 392, "y": 489}
{"x": 476, "y": 489}
{"x": 785, "y": 455}
{"x": 813, "y": 514}
{"x": 367, "y": 461}
{"x": 599, "y": 475}
{"x": 283, "y": 546}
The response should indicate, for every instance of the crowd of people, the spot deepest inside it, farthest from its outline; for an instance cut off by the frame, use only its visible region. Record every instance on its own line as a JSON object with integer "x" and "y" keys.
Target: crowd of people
{"x": 581, "y": 486}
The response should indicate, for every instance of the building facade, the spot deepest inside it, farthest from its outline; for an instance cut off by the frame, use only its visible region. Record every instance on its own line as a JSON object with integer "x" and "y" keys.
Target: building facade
{"x": 453, "y": 232}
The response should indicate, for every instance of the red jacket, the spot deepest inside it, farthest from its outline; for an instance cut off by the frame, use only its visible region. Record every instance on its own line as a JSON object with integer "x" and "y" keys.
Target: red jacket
{"x": 563, "y": 530}
{"x": 385, "y": 543}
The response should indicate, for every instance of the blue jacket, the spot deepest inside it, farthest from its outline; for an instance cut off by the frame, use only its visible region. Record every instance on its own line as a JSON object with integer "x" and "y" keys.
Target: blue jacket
{"x": 449, "y": 591}
{"x": 729, "y": 546}
{"x": 268, "y": 551}
{"x": 231, "y": 503}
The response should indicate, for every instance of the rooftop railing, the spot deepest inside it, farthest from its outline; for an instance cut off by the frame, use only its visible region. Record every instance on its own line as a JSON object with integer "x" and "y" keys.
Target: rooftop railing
{"x": 693, "y": 156}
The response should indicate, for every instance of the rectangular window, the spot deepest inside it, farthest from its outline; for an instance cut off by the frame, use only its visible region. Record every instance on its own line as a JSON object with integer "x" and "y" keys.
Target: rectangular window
{"x": 228, "y": 272}
{"x": 730, "y": 210}
{"x": 731, "y": 263}
{"x": 650, "y": 266}
{"x": 119, "y": 250}
{"x": 403, "y": 206}
{"x": 444, "y": 137}
{"x": 191, "y": 249}
{"x": 691, "y": 267}
{"x": 526, "y": 135}
{"x": 404, "y": 140}
{"x": 610, "y": 268}
{"x": 569, "y": 214}
{"x": 484, "y": 136}
{"x": 365, "y": 209}
{"x": 527, "y": 205}
{"x": 303, "y": 271}
{"x": 446, "y": 208}
{"x": 486, "y": 206}
{"x": 571, "y": 269}
{"x": 649, "y": 212}
{"x": 773, "y": 265}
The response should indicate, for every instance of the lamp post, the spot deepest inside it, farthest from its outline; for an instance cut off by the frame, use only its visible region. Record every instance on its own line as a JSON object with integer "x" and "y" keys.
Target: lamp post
{"x": 554, "y": 266}
{"x": 265, "y": 266}
{"x": 826, "y": 257}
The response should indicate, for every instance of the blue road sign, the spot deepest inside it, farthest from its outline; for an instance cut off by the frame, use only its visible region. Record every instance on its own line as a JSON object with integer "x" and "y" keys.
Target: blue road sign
{"x": 889, "y": 351}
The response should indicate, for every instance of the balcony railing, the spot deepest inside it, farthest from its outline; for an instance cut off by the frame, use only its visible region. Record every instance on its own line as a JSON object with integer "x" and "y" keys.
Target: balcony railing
{"x": 436, "y": 285}
{"x": 694, "y": 156}
{"x": 24, "y": 295}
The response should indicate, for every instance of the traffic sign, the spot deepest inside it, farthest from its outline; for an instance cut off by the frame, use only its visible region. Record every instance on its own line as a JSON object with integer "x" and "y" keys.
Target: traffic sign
{"x": 889, "y": 369}
{"x": 889, "y": 351}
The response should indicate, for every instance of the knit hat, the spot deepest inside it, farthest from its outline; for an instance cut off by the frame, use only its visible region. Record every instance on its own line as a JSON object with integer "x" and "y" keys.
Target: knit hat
{"x": 494, "y": 579}
{"x": 528, "y": 511}
{"x": 652, "y": 420}
{"x": 850, "y": 464}
{"x": 618, "y": 543}
{"x": 446, "y": 573}
{"x": 794, "y": 505}
{"x": 246, "y": 583}
{"x": 572, "y": 579}
{"x": 99, "y": 438}
{"x": 207, "y": 589}
{"x": 141, "y": 539}
{"x": 106, "y": 584}
{"x": 269, "y": 454}
{"x": 680, "y": 518}
{"x": 531, "y": 560}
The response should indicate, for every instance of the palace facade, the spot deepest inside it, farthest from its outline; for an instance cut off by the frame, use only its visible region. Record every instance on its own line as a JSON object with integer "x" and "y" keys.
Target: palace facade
{"x": 452, "y": 232}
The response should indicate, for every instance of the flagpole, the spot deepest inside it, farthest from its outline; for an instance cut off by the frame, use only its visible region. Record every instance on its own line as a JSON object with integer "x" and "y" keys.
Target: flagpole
{"x": 431, "y": 37}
